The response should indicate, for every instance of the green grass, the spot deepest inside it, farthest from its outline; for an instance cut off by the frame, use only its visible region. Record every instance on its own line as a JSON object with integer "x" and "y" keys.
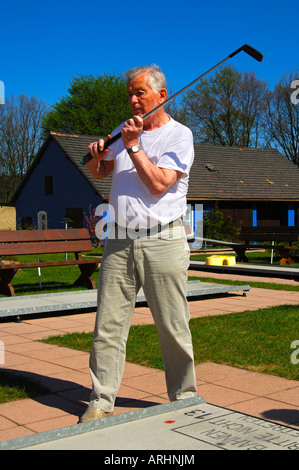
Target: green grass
{"x": 261, "y": 257}
{"x": 257, "y": 284}
{"x": 255, "y": 340}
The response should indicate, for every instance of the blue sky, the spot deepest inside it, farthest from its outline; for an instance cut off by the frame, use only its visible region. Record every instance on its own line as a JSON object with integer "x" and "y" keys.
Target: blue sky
{"x": 44, "y": 45}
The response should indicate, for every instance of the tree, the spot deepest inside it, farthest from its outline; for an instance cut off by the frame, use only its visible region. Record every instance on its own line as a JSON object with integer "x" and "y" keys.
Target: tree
{"x": 94, "y": 106}
{"x": 218, "y": 227}
{"x": 252, "y": 110}
{"x": 282, "y": 123}
{"x": 226, "y": 109}
{"x": 175, "y": 110}
{"x": 20, "y": 139}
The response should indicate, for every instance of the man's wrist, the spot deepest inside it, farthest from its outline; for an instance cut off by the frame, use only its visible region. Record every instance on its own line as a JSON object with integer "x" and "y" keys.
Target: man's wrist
{"x": 133, "y": 149}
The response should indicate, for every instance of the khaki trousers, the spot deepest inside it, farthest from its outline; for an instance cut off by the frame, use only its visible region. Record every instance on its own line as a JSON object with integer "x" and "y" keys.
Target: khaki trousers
{"x": 159, "y": 265}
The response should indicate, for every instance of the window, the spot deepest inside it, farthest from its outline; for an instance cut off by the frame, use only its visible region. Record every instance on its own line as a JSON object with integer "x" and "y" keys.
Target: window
{"x": 74, "y": 217}
{"x": 48, "y": 185}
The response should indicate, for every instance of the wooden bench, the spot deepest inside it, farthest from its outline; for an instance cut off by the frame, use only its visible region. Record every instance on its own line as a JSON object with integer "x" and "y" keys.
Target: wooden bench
{"x": 38, "y": 242}
{"x": 251, "y": 236}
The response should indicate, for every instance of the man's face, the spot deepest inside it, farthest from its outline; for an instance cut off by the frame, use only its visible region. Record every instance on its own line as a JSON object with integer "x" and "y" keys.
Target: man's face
{"x": 142, "y": 98}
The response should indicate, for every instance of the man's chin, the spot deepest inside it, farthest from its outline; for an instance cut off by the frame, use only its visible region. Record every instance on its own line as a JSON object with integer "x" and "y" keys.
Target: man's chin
{"x": 137, "y": 113}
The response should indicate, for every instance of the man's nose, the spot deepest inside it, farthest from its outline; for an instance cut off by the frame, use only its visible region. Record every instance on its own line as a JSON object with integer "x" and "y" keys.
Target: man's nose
{"x": 133, "y": 99}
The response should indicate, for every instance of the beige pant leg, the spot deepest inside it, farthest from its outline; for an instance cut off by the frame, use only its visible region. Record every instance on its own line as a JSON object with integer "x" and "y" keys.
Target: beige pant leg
{"x": 117, "y": 290}
{"x": 162, "y": 267}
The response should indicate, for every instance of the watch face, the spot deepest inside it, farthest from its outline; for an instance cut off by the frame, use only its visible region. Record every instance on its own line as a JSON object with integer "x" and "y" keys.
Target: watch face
{"x": 134, "y": 149}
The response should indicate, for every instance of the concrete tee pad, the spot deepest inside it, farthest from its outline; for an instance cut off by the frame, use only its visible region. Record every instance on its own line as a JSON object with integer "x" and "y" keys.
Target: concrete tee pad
{"x": 189, "y": 424}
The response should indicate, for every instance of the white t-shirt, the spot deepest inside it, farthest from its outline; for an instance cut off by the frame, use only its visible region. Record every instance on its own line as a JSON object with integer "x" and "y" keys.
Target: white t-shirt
{"x": 133, "y": 205}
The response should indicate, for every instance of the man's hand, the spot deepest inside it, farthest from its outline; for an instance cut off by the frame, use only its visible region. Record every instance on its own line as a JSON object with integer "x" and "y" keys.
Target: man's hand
{"x": 97, "y": 166}
{"x": 96, "y": 149}
{"x": 131, "y": 131}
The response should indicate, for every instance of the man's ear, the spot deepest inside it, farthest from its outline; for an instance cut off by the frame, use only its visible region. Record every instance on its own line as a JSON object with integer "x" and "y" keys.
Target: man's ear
{"x": 163, "y": 94}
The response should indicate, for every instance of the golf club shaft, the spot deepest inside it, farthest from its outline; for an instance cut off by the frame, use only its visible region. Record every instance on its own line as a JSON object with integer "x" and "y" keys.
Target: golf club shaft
{"x": 246, "y": 48}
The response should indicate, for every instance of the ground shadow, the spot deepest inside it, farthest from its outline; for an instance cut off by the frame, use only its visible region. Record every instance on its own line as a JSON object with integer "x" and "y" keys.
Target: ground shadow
{"x": 284, "y": 415}
{"x": 68, "y": 396}
{"x": 47, "y": 287}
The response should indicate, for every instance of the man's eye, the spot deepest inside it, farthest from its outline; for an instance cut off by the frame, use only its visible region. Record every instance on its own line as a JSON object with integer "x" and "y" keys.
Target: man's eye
{"x": 138, "y": 94}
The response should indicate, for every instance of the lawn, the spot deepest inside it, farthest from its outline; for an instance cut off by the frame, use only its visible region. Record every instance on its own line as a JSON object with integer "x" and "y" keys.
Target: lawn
{"x": 255, "y": 340}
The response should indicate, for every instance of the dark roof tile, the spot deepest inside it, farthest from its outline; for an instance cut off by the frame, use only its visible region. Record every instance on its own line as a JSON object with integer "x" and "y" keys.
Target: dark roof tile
{"x": 244, "y": 174}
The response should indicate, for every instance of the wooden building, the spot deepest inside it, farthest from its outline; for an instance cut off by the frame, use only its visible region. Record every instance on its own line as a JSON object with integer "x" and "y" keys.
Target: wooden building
{"x": 253, "y": 186}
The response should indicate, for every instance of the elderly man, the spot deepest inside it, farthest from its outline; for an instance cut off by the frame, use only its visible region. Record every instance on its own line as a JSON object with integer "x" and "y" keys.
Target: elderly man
{"x": 148, "y": 249}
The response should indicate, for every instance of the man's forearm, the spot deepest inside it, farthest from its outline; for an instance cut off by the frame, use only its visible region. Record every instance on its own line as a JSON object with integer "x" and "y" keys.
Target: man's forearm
{"x": 99, "y": 169}
{"x": 158, "y": 180}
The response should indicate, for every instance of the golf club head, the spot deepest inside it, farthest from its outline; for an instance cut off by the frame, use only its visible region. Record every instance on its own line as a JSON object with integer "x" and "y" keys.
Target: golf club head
{"x": 250, "y": 51}
{"x": 253, "y": 52}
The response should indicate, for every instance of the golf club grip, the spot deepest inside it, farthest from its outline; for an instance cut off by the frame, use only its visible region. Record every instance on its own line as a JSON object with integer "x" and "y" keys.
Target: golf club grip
{"x": 107, "y": 144}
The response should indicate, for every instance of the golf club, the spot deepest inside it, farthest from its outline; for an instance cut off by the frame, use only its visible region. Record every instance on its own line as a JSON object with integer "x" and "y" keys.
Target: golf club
{"x": 246, "y": 48}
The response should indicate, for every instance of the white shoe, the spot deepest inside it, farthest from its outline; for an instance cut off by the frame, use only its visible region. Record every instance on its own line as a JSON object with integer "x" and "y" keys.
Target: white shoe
{"x": 91, "y": 414}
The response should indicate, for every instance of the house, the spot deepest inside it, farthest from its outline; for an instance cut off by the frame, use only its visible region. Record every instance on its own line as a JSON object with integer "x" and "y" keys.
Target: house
{"x": 253, "y": 186}
{"x": 57, "y": 190}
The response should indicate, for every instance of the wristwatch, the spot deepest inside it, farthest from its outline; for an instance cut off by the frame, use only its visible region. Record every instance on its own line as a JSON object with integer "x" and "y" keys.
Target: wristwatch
{"x": 134, "y": 149}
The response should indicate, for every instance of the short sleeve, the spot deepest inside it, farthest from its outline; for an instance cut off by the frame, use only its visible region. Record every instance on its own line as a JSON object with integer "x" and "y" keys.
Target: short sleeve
{"x": 179, "y": 151}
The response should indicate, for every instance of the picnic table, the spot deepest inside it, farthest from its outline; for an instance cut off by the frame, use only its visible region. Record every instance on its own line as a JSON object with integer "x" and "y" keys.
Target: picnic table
{"x": 281, "y": 240}
{"x": 37, "y": 242}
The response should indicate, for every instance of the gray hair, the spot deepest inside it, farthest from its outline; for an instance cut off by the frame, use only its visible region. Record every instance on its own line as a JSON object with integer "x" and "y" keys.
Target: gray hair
{"x": 156, "y": 78}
